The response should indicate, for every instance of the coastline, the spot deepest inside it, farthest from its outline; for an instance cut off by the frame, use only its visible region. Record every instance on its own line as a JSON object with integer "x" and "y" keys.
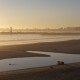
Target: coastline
{"x": 16, "y": 51}
{"x": 56, "y": 72}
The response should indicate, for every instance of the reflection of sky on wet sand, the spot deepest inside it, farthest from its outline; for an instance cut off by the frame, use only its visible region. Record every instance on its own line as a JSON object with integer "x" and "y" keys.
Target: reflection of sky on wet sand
{"x": 31, "y": 62}
{"x": 32, "y": 38}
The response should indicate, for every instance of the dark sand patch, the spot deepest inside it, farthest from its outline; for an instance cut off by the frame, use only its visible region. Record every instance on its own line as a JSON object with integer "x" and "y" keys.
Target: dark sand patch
{"x": 19, "y": 54}
{"x": 16, "y": 51}
{"x": 69, "y": 47}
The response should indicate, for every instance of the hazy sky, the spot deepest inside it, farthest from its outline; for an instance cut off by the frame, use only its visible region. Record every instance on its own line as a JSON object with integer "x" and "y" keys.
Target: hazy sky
{"x": 39, "y": 13}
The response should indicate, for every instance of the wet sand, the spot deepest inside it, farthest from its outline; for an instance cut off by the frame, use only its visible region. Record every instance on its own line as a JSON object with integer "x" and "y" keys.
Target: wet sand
{"x": 5, "y": 54}
{"x": 57, "y": 72}
{"x": 16, "y": 51}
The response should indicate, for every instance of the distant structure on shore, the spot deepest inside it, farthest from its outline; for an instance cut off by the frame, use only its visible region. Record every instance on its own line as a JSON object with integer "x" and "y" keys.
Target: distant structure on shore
{"x": 10, "y": 30}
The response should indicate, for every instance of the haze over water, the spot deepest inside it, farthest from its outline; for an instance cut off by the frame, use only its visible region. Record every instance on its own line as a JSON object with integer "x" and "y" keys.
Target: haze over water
{"x": 33, "y": 38}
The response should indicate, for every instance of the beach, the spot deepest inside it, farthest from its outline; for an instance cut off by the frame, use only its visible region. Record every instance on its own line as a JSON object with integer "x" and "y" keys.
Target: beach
{"x": 57, "y": 72}
{"x": 12, "y": 51}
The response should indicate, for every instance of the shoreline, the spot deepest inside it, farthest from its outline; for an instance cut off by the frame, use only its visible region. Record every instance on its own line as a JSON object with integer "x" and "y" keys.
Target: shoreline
{"x": 26, "y": 41}
{"x": 44, "y": 72}
{"x": 57, "y": 72}
{"x": 19, "y": 51}
{"x": 54, "y": 67}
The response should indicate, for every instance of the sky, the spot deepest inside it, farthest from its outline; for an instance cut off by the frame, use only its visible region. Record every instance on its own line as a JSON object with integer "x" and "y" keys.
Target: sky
{"x": 39, "y": 13}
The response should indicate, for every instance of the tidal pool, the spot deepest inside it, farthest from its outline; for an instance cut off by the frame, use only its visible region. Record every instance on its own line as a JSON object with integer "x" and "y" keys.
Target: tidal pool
{"x": 32, "y": 62}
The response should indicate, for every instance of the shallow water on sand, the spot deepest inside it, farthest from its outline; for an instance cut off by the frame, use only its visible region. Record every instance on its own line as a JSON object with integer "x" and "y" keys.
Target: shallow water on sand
{"x": 33, "y": 38}
{"x": 32, "y": 62}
